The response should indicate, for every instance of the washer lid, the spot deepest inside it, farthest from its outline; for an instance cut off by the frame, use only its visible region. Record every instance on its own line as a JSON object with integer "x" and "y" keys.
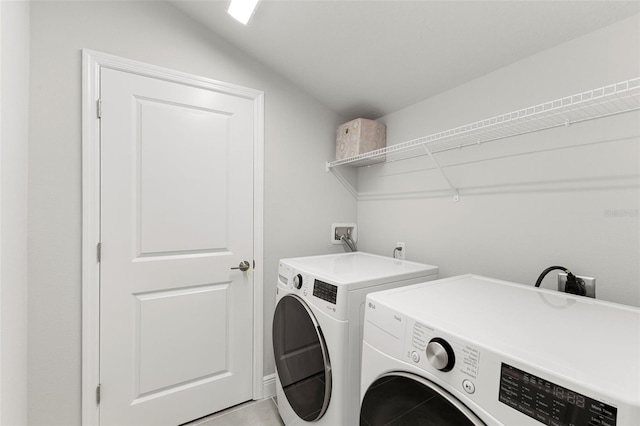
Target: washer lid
{"x": 357, "y": 267}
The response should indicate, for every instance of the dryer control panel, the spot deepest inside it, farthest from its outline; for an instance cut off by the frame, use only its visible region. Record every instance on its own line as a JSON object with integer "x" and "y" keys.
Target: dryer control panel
{"x": 550, "y": 403}
{"x": 460, "y": 358}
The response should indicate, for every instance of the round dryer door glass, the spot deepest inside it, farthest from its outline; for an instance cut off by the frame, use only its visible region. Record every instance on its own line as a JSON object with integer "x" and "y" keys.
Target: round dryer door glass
{"x": 403, "y": 399}
{"x": 302, "y": 360}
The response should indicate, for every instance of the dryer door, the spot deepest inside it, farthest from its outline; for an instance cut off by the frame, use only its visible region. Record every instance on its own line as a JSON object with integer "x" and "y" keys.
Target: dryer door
{"x": 405, "y": 399}
{"x": 302, "y": 360}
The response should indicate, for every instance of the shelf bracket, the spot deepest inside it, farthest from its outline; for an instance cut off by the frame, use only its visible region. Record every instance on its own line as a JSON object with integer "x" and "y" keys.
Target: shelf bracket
{"x": 456, "y": 195}
{"x": 342, "y": 180}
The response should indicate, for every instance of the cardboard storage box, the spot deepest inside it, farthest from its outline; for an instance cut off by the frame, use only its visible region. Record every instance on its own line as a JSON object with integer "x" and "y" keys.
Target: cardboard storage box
{"x": 360, "y": 136}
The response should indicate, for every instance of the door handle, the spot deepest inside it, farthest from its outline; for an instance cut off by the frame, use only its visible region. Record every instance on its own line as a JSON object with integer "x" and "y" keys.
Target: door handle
{"x": 243, "y": 266}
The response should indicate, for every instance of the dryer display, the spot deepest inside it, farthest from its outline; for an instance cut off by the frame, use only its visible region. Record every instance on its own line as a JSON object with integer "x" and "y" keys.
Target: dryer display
{"x": 550, "y": 403}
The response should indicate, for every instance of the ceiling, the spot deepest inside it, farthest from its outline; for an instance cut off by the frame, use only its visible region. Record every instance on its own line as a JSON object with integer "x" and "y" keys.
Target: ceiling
{"x": 367, "y": 58}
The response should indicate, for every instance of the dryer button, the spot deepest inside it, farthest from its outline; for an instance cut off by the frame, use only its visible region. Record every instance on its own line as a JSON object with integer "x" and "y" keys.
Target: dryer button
{"x": 415, "y": 356}
{"x": 468, "y": 386}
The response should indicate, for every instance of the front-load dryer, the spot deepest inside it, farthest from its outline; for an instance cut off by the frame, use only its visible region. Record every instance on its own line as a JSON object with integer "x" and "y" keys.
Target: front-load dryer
{"x": 471, "y": 350}
{"x": 317, "y": 331}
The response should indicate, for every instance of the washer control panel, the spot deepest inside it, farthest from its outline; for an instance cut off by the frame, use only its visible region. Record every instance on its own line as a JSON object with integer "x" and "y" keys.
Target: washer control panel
{"x": 297, "y": 281}
{"x": 325, "y": 291}
{"x": 291, "y": 279}
{"x": 317, "y": 292}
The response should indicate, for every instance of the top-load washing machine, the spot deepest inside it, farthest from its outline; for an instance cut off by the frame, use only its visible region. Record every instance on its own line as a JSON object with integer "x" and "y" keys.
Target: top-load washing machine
{"x": 471, "y": 350}
{"x": 317, "y": 331}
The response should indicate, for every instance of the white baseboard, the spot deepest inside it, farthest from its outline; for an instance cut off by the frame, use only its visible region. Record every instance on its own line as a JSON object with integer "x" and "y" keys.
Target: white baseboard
{"x": 269, "y": 386}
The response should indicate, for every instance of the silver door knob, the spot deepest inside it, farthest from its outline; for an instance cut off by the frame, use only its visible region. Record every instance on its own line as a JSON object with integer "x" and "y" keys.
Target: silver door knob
{"x": 243, "y": 266}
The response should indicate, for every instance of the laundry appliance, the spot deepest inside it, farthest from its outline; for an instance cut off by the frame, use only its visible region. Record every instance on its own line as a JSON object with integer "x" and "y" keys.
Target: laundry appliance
{"x": 471, "y": 350}
{"x": 317, "y": 331}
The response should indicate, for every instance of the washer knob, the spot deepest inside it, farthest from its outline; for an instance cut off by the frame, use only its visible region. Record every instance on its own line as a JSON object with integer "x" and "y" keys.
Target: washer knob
{"x": 440, "y": 354}
{"x": 297, "y": 281}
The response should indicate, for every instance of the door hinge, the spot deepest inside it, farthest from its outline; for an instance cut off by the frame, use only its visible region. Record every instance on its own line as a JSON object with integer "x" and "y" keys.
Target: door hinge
{"x": 99, "y": 251}
{"x": 98, "y": 394}
{"x": 99, "y": 107}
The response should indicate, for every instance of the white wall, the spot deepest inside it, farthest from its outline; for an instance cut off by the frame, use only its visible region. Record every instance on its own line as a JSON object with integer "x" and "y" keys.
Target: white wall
{"x": 527, "y": 202}
{"x": 301, "y": 199}
{"x": 14, "y": 95}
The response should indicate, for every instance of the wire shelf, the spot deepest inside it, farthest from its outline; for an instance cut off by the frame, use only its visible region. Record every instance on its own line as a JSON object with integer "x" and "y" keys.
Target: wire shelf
{"x": 605, "y": 101}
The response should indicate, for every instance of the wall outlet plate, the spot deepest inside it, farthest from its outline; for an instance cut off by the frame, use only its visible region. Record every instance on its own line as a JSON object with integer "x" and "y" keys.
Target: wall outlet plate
{"x": 400, "y": 254}
{"x": 340, "y": 229}
{"x": 589, "y": 284}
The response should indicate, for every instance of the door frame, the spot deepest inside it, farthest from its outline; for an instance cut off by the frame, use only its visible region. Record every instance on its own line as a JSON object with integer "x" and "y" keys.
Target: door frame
{"x": 92, "y": 62}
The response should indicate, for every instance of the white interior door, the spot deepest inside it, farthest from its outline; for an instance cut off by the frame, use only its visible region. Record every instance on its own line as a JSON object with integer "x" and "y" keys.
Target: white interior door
{"x": 176, "y": 215}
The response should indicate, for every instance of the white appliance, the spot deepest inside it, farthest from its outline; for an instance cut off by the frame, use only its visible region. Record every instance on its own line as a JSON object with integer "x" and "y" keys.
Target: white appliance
{"x": 475, "y": 350}
{"x": 317, "y": 331}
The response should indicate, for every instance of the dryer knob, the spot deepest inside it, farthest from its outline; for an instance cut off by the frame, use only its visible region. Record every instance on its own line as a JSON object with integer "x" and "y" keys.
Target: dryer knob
{"x": 440, "y": 354}
{"x": 297, "y": 281}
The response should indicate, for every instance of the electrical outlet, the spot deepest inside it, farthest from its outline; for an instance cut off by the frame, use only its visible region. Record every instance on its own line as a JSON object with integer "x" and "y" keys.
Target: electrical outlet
{"x": 399, "y": 254}
{"x": 589, "y": 284}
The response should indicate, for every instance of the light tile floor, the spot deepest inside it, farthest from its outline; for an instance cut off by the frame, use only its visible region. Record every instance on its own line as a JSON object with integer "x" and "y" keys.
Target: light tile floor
{"x": 252, "y": 413}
